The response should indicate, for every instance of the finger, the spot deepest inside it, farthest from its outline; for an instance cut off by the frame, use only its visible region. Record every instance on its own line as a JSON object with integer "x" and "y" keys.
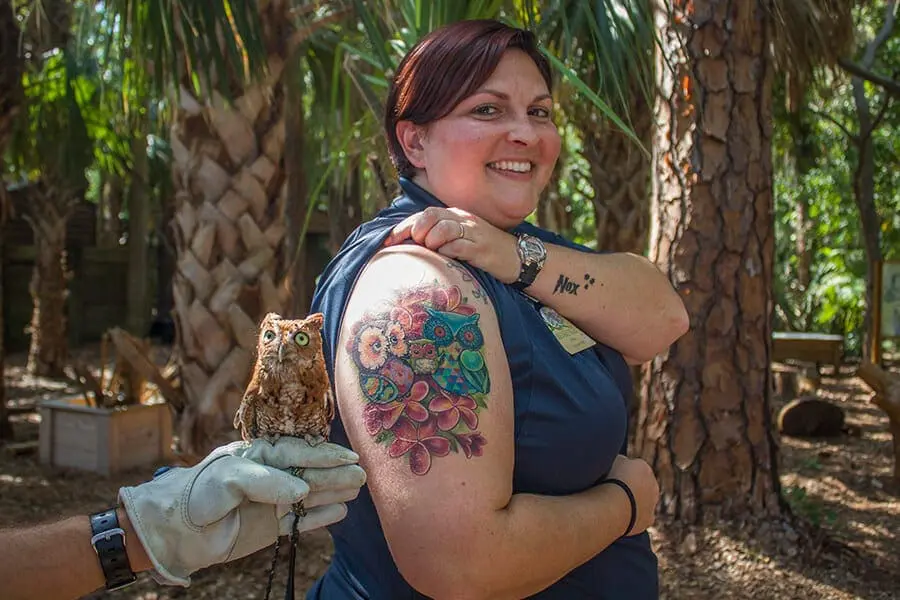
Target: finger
{"x": 421, "y": 226}
{"x": 458, "y": 249}
{"x": 444, "y": 231}
{"x": 291, "y": 451}
{"x": 401, "y": 231}
{"x": 229, "y": 482}
{"x": 263, "y": 484}
{"x": 320, "y": 516}
{"x": 330, "y": 497}
{"x": 348, "y": 476}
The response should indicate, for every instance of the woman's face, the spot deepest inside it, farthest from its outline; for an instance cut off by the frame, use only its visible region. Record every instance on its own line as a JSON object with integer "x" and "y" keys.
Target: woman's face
{"x": 494, "y": 153}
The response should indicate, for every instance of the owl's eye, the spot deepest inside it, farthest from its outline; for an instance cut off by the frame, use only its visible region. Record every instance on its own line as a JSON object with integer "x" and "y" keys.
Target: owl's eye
{"x": 301, "y": 338}
{"x": 269, "y": 335}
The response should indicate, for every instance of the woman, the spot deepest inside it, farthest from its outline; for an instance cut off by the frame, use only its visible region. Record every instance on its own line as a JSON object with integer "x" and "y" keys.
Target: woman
{"x": 468, "y": 380}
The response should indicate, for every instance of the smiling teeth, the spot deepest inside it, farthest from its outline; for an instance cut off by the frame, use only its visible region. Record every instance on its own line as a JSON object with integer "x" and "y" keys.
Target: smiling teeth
{"x": 508, "y": 165}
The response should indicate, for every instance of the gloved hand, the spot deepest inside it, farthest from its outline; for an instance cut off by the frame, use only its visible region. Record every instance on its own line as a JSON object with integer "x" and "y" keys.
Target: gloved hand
{"x": 237, "y": 501}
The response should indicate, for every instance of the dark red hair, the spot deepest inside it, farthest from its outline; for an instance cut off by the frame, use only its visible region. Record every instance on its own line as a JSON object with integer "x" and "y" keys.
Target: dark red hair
{"x": 444, "y": 68}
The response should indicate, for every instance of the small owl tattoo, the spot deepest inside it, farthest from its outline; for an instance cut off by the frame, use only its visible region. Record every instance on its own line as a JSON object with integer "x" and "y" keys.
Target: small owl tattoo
{"x": 289, "y": 392}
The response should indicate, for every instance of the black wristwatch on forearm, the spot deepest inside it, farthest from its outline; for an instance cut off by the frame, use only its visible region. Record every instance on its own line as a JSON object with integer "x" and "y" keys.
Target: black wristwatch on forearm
{"x": 532, "y": 255}
{"x": 108, "y": 540}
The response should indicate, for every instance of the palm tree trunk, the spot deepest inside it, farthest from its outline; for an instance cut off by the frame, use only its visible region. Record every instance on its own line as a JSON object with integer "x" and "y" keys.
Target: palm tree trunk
{"x": 228, "y": 229}
{"x": 48, "y": 350}
{"x": 705, "y": 423}
{"x": 620, "y": 176}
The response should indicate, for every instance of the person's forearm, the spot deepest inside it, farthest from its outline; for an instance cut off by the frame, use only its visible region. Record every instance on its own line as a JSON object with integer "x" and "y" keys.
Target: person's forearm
{"x": 619, "y": 299}
{"x": 57, "y": 561}
{"x": 524, "y": 547}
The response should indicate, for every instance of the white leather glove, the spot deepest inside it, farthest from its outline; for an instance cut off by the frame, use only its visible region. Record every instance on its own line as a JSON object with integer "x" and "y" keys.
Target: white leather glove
{"x": 237, "y": 501}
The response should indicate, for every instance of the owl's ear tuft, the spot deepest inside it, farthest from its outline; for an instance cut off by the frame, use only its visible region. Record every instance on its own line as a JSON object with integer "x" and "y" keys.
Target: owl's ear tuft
{"x": 315, "y": 319}
{"x": 271, "y": 317}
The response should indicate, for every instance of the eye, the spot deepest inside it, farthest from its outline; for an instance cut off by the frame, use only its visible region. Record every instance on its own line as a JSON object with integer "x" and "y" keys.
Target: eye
{"x": 301, "y": 338}
{"x": 269, "y": 335}
{"x": 486, "y": 110}
{"x": 540, "y": 112}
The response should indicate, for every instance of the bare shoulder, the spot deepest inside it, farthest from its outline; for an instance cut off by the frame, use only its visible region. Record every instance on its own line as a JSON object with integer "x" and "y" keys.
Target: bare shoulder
{"x": 422, "y": 379}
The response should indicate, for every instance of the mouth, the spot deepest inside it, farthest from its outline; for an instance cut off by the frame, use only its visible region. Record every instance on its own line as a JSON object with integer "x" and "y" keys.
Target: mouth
{"x": 512, "y": 167}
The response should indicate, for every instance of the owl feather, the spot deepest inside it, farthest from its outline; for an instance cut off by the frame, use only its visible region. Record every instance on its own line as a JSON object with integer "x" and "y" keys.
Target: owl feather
{"x": 289, "y": 392}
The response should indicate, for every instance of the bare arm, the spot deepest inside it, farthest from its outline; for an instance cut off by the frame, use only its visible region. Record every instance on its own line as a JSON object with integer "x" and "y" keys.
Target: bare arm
{"x": 619, "y": 299}
{"x": 440, "y": 463}
{"x": 57, "y": 561}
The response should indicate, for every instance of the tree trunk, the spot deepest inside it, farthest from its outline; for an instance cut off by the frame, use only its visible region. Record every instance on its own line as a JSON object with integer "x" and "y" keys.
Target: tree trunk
{"x": 48, "y": 350}
{"x": 297, "y": 202}
{"x": 10, "y": 103}
{"x": 229, "y": 177}
{"x": 138, "y": 231}
{"x": 864, "y": 194}
{"x": 6, "y": 432}
{"x": 864, "y": 174}
{"x": 620, "y": 176}
{"x": 705, "y": 423}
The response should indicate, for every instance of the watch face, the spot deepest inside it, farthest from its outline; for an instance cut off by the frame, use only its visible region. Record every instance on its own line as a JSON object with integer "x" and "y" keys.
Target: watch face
{"x": 533, "y": 249}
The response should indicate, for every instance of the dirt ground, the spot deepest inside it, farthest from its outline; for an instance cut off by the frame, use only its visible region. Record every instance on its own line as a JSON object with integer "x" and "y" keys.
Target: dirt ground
{"x": 843, "y": 542}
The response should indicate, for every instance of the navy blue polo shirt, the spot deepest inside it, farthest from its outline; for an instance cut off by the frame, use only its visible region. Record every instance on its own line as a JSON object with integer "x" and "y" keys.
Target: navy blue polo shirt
{"x": 570, "y": 423}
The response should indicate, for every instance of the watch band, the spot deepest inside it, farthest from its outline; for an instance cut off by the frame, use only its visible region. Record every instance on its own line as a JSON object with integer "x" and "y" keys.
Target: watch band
{"x": 531, "y": 262}
{"x": 108, "y": 540}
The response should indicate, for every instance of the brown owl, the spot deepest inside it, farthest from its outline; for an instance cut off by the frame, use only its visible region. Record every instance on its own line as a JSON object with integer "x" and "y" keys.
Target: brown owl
{"x": 289, "y": 393}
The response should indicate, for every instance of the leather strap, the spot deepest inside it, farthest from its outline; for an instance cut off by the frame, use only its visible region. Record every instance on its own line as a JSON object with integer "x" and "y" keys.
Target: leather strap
{"x": 109, "y": 543}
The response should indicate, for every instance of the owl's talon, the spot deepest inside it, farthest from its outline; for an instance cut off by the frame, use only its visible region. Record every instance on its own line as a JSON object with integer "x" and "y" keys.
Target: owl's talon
{"x": 314, "y": 440}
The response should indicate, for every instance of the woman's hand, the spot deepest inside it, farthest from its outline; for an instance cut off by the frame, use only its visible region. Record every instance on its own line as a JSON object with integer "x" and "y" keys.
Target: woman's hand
{"x": 639, "y": 477}
{"x": 461, "y": 235}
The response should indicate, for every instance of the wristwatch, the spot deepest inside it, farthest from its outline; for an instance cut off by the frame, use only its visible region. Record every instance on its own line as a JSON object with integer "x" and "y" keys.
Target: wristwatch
{"x": 108, "y": 540}
{"x": 532, "y": 255}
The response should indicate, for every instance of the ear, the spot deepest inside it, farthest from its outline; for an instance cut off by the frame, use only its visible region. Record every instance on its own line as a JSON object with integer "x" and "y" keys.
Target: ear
{"x": 411, "y": 137}
{"x": 316, "y": 320}
{"x": 271, "y": 317}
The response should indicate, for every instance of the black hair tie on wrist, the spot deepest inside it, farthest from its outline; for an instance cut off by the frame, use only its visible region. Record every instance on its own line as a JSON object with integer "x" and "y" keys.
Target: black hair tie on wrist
{"x": 630, "y": 495}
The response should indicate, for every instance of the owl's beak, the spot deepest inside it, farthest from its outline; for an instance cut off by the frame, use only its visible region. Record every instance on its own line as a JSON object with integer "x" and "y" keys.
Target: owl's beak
{"x": 280, "y": 350}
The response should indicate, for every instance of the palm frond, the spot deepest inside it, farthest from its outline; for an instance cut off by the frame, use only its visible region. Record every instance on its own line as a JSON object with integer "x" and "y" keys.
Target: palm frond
{"x": 810, "y": 34}
{"x": 219, "y": 42}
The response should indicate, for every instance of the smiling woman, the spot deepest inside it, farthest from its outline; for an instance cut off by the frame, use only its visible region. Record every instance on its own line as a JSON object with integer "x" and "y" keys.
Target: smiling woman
{"x": 490, "y": 421}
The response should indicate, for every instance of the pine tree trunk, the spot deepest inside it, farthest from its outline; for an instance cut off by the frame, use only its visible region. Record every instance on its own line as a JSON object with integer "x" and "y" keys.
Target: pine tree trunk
{"x": 48, "y": 350}
{"x": 705, "y": 423}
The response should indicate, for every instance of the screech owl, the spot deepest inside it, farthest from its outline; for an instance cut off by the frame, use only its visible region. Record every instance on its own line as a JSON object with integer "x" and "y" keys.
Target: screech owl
{"x": 289, "y": 392}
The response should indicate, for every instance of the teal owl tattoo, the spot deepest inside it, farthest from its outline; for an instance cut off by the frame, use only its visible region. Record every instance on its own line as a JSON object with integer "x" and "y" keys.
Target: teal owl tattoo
{"x": 461, "y": 368}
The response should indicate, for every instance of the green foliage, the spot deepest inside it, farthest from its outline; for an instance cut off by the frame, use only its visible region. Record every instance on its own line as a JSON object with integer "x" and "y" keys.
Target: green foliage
{"x": 815, "y": 158}
{"x": 52, "y": 137}
{"x": 808, "y": 507}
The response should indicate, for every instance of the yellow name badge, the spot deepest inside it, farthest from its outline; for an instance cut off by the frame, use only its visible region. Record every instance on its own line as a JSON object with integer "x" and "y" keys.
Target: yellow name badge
{"x": 572, "y": 339}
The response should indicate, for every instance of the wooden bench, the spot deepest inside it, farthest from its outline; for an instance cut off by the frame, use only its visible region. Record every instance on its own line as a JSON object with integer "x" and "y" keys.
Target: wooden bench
{"x": 818, "y": 348}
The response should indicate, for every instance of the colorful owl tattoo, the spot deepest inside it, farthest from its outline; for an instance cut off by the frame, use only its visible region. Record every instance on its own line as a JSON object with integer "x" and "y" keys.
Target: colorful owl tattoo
{"x": 422, "y": 372}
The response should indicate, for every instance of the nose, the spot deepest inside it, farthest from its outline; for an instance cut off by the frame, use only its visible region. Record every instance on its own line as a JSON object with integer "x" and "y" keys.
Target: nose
{"x": 522, "y": 131}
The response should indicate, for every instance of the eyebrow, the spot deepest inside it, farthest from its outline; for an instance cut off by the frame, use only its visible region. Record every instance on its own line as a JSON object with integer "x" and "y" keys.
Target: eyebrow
{"x": 503, "y": 96}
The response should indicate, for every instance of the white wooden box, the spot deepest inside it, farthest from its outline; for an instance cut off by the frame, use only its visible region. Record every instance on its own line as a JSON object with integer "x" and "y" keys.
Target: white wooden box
{"x": 104, "y": 440}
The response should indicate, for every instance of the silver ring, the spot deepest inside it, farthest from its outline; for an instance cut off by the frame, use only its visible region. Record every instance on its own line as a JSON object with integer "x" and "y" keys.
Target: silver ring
{"x": 462, "y": 231}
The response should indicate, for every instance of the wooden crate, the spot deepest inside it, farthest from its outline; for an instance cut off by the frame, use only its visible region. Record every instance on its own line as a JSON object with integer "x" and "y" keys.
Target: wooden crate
{"x": 104, "y": 440}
